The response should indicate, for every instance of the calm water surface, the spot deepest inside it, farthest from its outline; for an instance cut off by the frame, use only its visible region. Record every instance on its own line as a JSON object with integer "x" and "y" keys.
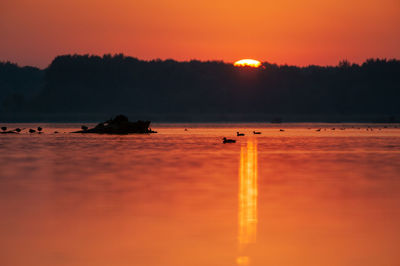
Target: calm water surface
{"x": 292, "y": 198}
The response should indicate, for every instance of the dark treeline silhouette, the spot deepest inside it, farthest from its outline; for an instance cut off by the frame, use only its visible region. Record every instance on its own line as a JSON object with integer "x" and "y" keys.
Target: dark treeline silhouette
{"x": 18, "y": 86}
{"x": 83, "y": 84}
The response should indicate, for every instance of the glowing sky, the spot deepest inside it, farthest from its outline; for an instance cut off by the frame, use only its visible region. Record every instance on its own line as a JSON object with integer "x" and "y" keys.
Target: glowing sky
{"x": 304, "y": 32}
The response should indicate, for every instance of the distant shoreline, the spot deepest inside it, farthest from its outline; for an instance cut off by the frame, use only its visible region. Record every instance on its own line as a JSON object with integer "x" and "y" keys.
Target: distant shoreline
{"x": 200, "y": 118}
{"x": 77, "y": 88}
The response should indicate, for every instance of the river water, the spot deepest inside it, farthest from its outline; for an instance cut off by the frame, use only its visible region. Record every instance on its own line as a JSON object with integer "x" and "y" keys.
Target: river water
{"x": 298, "y": 197}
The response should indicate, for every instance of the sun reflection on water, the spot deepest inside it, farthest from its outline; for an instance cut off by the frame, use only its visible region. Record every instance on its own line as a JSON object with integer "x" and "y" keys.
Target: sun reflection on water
{"x": 247, "y": 199}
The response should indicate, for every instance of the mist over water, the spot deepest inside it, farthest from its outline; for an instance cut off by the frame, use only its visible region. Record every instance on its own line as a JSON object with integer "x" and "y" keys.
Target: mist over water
{"x": 296, "y": 197}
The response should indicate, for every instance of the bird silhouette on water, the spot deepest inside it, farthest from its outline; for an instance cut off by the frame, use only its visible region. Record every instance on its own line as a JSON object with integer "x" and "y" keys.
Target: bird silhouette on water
{"x": 256, "y": 132}
{"x": 225, "y": 140}
{"x": 84, "y": 128}
{"x": 239, "y": 134}
{"x": 4, "y": 128}
{"x": 32, "y": 130}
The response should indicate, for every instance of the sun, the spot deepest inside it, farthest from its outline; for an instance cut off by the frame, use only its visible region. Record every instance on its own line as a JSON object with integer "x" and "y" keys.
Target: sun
{"x": 247, "y": 63}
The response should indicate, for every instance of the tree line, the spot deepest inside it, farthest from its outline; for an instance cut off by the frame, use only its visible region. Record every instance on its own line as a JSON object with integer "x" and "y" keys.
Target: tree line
{"x": 111, "y": 84}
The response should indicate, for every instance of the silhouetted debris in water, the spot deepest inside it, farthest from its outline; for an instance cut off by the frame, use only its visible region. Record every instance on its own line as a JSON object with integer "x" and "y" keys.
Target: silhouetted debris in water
{"x": 84, "y": 127}
{"x": 239, "y": 134}
{"x": 7, "y": 132}
{"x": 120, "y": 125}
{"x": 281, "y": 130}
{"x": 32, "y": 130}
{"x": 256, "y": 132}
{"x": 14, "y": 131}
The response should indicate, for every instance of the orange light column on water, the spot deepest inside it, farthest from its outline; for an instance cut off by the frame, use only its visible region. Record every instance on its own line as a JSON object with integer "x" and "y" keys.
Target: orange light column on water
{"x": 248, "y": 191}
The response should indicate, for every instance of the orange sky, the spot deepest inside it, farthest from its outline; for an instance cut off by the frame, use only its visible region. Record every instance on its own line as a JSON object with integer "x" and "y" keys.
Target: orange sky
{"x": 303, "y": 32}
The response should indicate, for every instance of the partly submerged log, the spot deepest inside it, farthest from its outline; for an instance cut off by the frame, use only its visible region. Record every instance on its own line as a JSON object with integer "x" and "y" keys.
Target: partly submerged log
{"x": 120, "y": 125}
{"x": 15, "y": 131}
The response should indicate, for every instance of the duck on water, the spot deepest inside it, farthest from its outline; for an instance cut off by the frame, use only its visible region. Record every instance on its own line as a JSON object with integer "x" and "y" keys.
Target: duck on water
{"x": 225, "y": 140}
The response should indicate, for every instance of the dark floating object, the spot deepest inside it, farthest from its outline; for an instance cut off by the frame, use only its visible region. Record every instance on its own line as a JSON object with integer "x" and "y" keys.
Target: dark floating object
{"x": 6, "y": 132}
{"x": 55, "y": 132}
{"x": 32, "y": 130}
{"x": 17, "y": 129}
{"x": 281, "y": 130}
{"x": 120, "y": 125}
{"x": 318, "y": 130}
{"x": 84, "y": 128}
{"x": 256, "y": 132}
{"x": 239, "y": 134}
{"x": 225, "y": 140}
{"x": 186, "y": 129}
{"x": 39, "y": 129}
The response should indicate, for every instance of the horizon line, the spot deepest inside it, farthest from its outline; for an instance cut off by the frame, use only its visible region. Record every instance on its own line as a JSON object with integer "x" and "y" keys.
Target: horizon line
{"x": 199, "y": 60}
